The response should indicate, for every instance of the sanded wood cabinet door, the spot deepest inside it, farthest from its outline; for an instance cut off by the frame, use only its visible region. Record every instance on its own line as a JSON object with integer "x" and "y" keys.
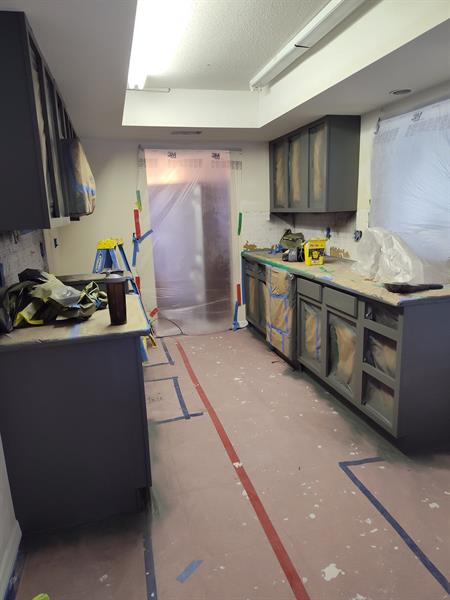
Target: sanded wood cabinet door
{"x": 317, "y": 138}
{"x": 279, "y": 152}
{"x": 298, "y": 171}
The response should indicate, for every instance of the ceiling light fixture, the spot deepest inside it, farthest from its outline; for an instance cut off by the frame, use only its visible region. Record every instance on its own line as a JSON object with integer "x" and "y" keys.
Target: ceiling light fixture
{"x": 331, "y": 15}
{"x": 158, "y": 29}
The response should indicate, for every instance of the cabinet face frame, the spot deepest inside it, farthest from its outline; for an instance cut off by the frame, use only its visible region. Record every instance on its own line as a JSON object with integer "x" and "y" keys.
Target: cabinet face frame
{"x": 43, "y": 206}
{"x": 315, "y": 365}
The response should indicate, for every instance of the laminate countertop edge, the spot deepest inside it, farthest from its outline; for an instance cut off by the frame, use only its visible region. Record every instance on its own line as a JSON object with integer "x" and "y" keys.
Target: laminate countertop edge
{"x": 338, "y": 273}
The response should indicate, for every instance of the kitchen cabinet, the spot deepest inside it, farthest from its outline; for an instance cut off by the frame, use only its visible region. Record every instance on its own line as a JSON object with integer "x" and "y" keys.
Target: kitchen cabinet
{"x": 387, "y": 358}
{"x": 33, "y": 122}
{"x": 75, "y": 428}
{"x": 255, "y": 283}
{"x": 315, "y": 168}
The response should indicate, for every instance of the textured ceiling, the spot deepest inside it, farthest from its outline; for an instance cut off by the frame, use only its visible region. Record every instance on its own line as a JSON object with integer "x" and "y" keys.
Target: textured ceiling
{"x": 87, "y": 45}
{"x": 226, "y": 42}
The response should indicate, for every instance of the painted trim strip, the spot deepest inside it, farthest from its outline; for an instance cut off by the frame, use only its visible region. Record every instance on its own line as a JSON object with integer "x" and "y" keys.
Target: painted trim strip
{"x": 193, "y": 566}
{"x": 274, "y": 539}
{"x": 149, "y": 563}
{"x": 427, "y": 563}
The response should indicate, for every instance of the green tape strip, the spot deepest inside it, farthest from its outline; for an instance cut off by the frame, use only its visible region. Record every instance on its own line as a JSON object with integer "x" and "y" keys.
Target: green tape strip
{"x": 138, "y": 200}
{"x": 239, "y": 224}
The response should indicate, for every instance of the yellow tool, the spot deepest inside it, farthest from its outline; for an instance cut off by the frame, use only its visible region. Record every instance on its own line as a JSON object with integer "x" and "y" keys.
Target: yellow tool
{"x": 314, "y": 252}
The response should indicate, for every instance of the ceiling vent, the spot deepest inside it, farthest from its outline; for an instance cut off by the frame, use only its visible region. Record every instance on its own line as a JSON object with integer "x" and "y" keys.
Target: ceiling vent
{"x": 186, "y": 132}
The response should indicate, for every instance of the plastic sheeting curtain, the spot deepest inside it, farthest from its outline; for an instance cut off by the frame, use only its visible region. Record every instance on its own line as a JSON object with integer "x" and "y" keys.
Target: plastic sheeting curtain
{"x": 411, "y": 180}
{"x": 190, "y": 214}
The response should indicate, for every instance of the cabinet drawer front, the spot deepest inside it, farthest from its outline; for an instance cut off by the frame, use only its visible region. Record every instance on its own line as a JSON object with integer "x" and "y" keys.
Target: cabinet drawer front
{"x": 309, "y": 288}
{"x": 342, "y": 301}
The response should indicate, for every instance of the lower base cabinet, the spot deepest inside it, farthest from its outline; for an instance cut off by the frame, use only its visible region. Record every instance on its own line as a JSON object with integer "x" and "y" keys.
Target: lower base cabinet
{"x": 390, "y": 362}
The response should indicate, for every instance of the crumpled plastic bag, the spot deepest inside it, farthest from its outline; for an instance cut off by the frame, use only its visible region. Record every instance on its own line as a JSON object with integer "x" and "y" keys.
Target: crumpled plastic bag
{"x": 383, "y": 256}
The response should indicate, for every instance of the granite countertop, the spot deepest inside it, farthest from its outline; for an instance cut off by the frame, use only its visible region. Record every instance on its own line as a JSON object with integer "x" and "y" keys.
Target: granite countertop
{"x": 65, "y": 331}
{"x": 338, "y": 273}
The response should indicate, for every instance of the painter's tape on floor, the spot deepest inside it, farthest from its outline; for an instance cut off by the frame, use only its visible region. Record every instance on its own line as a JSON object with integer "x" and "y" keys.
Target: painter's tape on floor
{"x": 187, "y": 572}
{"x": 169, "y": 360}
{"x": 407, "y": 539}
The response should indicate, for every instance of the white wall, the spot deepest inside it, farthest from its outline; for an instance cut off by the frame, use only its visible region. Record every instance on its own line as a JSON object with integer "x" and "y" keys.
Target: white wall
{"x": 114, "y": 164}
{"x": 9, "y": 529}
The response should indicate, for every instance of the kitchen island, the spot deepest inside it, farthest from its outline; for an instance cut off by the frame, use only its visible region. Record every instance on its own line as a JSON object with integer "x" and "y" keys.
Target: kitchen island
{"x": 73, "y": 419}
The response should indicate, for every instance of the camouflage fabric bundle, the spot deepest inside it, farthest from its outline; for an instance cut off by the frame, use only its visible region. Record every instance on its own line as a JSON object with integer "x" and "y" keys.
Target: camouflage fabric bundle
{"x": 40, "y": 298}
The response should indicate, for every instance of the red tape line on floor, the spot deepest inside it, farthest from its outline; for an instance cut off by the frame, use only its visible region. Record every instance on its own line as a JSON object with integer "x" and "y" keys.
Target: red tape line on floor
{"x": 274, "y": 539}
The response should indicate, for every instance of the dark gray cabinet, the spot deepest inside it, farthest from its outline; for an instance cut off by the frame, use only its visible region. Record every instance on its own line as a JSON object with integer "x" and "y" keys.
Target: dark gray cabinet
{"x": 255, "y": 295}
{"x": 315, "y": 169}
{"x": 33, "y": 122}
{"x": 389, "y": 361}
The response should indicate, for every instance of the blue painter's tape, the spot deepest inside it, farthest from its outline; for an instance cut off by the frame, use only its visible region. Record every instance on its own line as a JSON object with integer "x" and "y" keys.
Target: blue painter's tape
{"x": 75, "y": 330}
{"x": 173, "y": 419}
{"x": 144, "y": 355}
{"x": 149, "y": 562}
{"x": 183, "y": 406}
{"x": 242, "y": 281}
{"x": 193, "y": 566}
{"x": 427, "y": 563}
{"x": 235, "y": 325}
{"x": 280, "y": 331}
{"x": 170, "y": 360}
{"x": 176, "y": 385}
{"x": 167, "y": 353}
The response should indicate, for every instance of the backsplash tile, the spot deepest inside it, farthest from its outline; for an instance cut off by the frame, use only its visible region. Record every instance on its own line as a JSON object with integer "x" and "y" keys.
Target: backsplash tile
{"x": 19, "y": 251}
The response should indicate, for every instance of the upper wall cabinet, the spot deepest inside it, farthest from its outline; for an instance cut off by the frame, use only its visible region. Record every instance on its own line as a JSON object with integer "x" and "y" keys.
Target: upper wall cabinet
{"x": 315, "y": 169}
{"x": 33, "y": 123}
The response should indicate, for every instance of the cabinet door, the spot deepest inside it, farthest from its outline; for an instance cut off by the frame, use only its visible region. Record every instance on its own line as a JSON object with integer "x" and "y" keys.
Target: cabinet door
{"x": 342, "y": 369}
{"x": 279, "y": 174}
{"x": 60, "y": 205}
{"x": 310, "y": 346}
{"x": 317, "y": 180}
{"x": 298, "y": 171}
{"x": 36, "y": 74}
{"x": 251, "y": 298}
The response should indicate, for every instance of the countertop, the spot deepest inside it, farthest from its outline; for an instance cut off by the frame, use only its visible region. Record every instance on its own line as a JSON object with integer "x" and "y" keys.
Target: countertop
{"x": 64, "y": 331}
{"x": 338, "y": 273}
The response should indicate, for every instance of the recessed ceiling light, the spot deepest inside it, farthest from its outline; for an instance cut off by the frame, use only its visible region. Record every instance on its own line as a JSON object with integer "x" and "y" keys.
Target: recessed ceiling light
{"x": 158, "y": 29}
{"x": 401, "y": 92}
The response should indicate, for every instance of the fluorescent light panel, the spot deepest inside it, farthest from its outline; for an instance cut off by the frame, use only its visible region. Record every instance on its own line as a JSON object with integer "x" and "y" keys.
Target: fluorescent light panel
{"x": 331, "y": 15}
{"x": 158, "y": 30}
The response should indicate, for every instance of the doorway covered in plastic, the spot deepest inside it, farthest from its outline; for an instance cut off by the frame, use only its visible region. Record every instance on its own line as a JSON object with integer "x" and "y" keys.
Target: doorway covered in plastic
{"x": 189, "y": 207}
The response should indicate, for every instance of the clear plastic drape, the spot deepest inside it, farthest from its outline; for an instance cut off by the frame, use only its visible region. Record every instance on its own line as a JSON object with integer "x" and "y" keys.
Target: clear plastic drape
{"x": 411, "y": 180}
{"x": 190, "y": 214}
